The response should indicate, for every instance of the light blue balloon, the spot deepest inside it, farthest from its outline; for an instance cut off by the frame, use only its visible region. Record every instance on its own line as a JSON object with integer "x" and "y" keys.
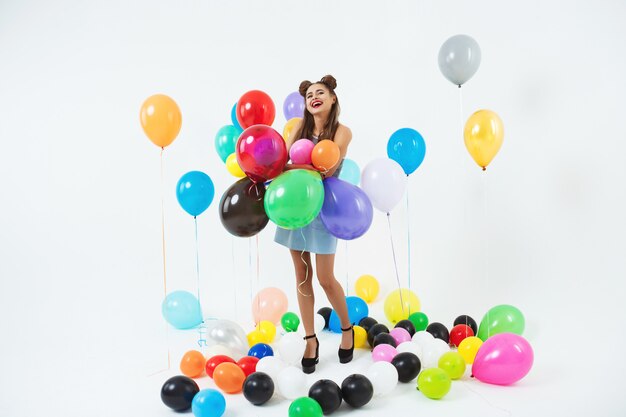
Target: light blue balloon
{"x": 195, "y": 192}
{"x": 357, "y": 310}
{"x": 407, "y": 147}
{"x": 350, "y": 172}
{"x": 182, "y": 310}
{"x": 233, "y": 117}
{"x": 226, "y": 141}
{"x": 208, "y": 403}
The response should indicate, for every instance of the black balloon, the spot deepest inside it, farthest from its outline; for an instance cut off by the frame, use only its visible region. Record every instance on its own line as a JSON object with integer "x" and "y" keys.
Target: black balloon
{"x": 384, "y": 338}
{"x": 374, "y": 330}
{"x": 241, "y": 208}
{"x": 439, "y": 331}
{"x": 357, "y": 390}
{"x": 178, "y": 392}
{"x": 406, "y": 325}
{"x": 327, "y": 393}
{"x": 325, "y": 312}
{"x": 468, "y": 321}
{"x": 367, "y": 323}
{"x": 408, "y": 366}
{"x": 258, "y": 388}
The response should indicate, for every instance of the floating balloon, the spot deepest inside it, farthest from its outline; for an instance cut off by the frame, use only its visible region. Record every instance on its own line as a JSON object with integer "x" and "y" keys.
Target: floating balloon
{"x": 383, "y": 376}
{"x": 160, "y": 119}
{"x": 192, "y": 364}
{"x": 269, "y": 304}
{"x": 241, "y": 208}
{"x": 233, "y": 168}
{"x": 503, "y": 359}
{"x": 468, "y": 348}
{"x": 406, "y": 146}
{"x": 295, "y": 198}
{"x": 325, "y": 155}
{"x": 182, "y": 310}
{"x": 233, "y": 117}
{"x": 483, "y": 135}
{"x": 453, "y": 363}
{"x": 293, "y": 106}
{"x": 177, "y": 392}
{"x": 226, "y": 141}
{"x": 229, "y": 334}
{"x": 357, "y": 390}
{"x": 357, "y": 310}
{"x": 399, "y": 307}
{"x": 327, "y": 393}
{"x": 305, "y": 407}
{"x": 229, "y": 377}
{"x": 255, "y": 108}
{"x": 194, "y": 192}
{"x": 300, "y": 151}
{"x": 501, "y": 319}
{"x": 350, "y": 172}
{"x": 347, "y": 211}
{"x": 258, "y": 388}
{"x": 290, "y": 126}
{"x": 408, "y": 366}
{"x": 261, "y": 153}
{"x": 384, "y": 182}
{"x": 367, "y": 288}
{"x": 213, "y": 361}
{"x": 434, "y": 383}
{"x": 459, "y": 59}
{"x": 208, "y": 403}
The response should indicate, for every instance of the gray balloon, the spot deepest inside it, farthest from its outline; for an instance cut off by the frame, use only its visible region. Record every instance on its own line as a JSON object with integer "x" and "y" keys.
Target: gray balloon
{"x": 227, "y": 333}
{"x": 459, "y": 59}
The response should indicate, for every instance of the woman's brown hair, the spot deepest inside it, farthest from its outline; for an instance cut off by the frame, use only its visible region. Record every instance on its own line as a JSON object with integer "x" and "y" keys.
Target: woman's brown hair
{"x": 308, "y": 124}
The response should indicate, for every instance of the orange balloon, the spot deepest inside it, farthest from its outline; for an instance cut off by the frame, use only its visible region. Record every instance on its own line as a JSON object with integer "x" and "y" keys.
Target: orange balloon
{"x": 192, "y": 364}
{"x": 325, "y": 155}
{"x": 160, "y": 119}
{"x": 229, "y": 377}
{"x": 269, "y": 304}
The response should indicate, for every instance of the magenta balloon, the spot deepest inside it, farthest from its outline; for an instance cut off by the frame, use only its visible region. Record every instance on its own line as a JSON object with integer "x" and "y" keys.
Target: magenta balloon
{"x": 261, "y": 153}
{"x": 503, "y": 359}
{"x": 300, "y": 151}
{"x": 400, "y": 335}
{"x": 347, "y": 211}
{"x": 293, "y": 106}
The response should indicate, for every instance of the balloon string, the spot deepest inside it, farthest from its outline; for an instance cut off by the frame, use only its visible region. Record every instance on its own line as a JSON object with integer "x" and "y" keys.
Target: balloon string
{"x": 232, "y": 256}
{"x": 250, "y": 271}
{"x": 306, "y": 273}
{"x": 393, "y": 251}
{"x": 258, "y": 279}
{"x": 347, "y": 282}
{"x": 486, "y": 243}
{"x": 461, "y": 109}
{"x": 482, "y": 397}
{"x": 167, "y": 328}
{"x": 195, "y": 222}
{"x": 408, "y": 236}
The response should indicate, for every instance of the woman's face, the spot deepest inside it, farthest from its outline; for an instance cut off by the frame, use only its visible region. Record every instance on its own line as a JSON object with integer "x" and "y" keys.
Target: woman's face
{"x": 319, "y": 99}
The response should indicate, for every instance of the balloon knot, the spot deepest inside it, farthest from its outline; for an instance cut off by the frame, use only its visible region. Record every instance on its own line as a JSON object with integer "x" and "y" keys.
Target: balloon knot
{"x": 484, "y": 168}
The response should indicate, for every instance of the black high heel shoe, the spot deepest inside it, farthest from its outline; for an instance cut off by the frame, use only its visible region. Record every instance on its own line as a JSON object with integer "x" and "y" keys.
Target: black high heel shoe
{"x": 308, "y": 364}
{"x": 345, "y": 355}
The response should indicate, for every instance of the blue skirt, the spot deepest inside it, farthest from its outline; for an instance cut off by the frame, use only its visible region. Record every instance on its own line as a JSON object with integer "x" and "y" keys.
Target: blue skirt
{"x": 312, "y": 238}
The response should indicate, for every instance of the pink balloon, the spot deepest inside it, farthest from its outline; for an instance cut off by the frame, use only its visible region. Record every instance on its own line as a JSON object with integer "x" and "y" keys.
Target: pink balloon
{"x": 384, "y": 352}
{"x": 300, "y": 151}
{"x": 400, "y": 335}
{"x": 269, "y": 304}
{"x": 503, "y": 359}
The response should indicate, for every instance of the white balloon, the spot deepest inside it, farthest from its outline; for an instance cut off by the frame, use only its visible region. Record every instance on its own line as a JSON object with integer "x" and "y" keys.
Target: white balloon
{"x": 271, "y": 365}
{"x": 412, "y": 347}
{"x": 384, "y": 377}
{"x": 319, "y": 323}
{"x": 291, "y": 348}
{"x": 433, "y": 351}
{"x": 384, "y": 182}
{"x": 422, "y": 338}
{"x": 218, "y": 350}
{"x": 291, "y": 383}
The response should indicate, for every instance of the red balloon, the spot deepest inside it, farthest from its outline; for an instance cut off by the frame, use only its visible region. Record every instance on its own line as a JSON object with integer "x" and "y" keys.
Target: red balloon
{"x": 255, "y": 108}
{"x": 214, "y": 361}
{"x": 460, "y": 332}
{"x": 248, "y": 364}
{"x": 261, "y": 153}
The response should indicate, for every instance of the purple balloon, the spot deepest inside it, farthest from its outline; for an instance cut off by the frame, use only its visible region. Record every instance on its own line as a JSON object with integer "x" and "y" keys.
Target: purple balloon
{"x": 347, "y": 211}
{"x": 293, "y": 106}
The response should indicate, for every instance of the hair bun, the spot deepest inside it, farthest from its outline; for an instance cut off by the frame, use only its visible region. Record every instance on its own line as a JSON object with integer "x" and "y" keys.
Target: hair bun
{"x": 330, "y": 81}
{"x": 304, "y": 85}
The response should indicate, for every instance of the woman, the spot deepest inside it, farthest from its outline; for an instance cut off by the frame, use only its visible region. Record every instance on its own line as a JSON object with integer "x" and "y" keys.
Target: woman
{"x": 320, "y": 122}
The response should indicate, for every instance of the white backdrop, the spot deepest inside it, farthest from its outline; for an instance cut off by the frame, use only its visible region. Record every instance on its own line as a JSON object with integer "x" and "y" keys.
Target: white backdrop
{"x": 81, "y": 270}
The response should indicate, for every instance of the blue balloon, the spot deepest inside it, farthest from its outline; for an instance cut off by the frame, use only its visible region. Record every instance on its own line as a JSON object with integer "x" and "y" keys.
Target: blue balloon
{"x": 347, "y": 211}
{"x": 233, "y": 117}
{"x": 195, "y": 192}
{"x": 350, "y": 172}
{"x": 357, "y": 310}
{"x": 407, "y": 147}
{"x": 182, "y": 310}
{"x": 261, "y": 350}
{"x": 208, "y": 403}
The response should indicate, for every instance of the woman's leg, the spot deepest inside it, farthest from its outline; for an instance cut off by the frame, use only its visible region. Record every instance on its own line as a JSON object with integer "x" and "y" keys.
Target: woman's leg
{"x": 325, "y": 265}
{"x": 306, "y": 300}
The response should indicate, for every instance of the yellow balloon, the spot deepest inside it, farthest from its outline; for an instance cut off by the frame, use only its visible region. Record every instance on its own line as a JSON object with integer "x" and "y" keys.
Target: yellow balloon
{"x": 469, "y": 347}
{"x": 291, "y": 123}
{"x": 483, "y": 135}
{"x": 367, "y": 288}
{"x": 160, "y": 119}
{"x": 256, "y": 336}
{"x": 233, "y": 166}
{"x": 397, "y": 310}
{"x": 360, "y": 337}
{"x": 268, "y": 329}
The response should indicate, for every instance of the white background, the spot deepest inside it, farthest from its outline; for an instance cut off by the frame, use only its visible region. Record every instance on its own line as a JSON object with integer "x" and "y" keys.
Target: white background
{"x": 81, "y": 270}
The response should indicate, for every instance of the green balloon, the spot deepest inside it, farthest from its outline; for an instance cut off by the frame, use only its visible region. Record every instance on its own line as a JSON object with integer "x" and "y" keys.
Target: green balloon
{"x": 290, "y": 321}
{"x": 305, "y": 407}
{"x": 453, "y": 363}
{"x": 294, "y": 198}
{"x": 501, "y": 319}
{"x": 226, "y": 141}
{"x": 419, "y": 320}
{"x": 434, "y": 383}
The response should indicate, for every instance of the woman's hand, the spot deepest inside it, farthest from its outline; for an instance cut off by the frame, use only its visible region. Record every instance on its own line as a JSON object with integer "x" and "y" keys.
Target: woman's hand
{"x": 300, "y": 166}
